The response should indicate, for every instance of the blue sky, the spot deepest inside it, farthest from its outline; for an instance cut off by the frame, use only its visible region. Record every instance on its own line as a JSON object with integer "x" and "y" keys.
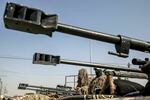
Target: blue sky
{"x": 127, "y": 17}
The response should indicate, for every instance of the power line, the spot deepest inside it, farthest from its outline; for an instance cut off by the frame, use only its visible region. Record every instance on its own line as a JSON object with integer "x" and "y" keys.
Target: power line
{"x": 24, "y": 58}
{"x": 17, "y": 58}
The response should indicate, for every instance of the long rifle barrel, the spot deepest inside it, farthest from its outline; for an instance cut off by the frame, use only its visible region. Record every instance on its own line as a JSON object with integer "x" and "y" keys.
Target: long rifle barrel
{"x": 98, "y": 65}
{"x": 118, "y": 70}
{"x": 46, "y": 59}
{"x": 46, "y": 90}
{"x": 100, "y": 36}
{"x": 130, "y": 74}
{"x": 35, "y": 21}
{"x": 68, "y": 29}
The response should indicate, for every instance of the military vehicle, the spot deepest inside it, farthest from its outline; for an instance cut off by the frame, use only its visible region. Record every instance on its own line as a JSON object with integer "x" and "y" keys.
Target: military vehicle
{"x": 31, "y": 20}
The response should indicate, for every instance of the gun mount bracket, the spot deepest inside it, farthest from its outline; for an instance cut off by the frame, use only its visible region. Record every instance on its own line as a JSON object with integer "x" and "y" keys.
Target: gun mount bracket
{"x": 122, "y": 48}
{"x": 45, "y": 59}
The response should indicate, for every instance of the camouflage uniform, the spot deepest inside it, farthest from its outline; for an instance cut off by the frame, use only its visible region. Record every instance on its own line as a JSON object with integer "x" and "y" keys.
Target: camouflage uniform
{"x": 35, "y": 97}
{"x": 83, "y": 82}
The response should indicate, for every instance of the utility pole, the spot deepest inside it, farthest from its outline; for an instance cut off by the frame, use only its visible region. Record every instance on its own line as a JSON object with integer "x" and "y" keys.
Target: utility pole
{"x": 90, "y": 47}
{"x": 1, "y": 86}
{"x": 5, "y": 91}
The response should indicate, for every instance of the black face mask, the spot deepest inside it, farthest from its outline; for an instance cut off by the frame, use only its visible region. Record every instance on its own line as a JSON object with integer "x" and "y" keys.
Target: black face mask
{"x": 98, "y": 72}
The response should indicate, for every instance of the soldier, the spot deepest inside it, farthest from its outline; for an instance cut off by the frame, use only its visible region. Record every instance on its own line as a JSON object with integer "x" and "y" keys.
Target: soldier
{"x": 104, "y": 83}
{"x": 83, "y": 82}
{"x": 101, "y": 82}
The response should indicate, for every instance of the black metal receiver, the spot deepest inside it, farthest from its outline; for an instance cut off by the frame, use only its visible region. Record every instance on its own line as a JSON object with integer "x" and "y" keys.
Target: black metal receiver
{"x": 35, "y": 21}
